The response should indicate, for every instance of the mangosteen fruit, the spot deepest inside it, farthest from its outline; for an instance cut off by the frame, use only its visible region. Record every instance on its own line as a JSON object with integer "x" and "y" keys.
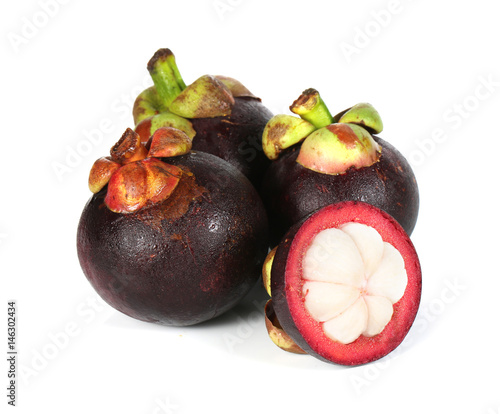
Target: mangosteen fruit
{"x": 223, "y": 116}
{"x": 345, "y": 285}
{"x": 320, "y": 159}
{"x": 170, "y": 236}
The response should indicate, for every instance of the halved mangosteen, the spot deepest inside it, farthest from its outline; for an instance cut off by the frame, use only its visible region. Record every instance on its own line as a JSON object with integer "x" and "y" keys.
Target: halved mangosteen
{"x": 171, "y": 236}
{"x": 345, "y": 284}
{"x": 319, "y": 159}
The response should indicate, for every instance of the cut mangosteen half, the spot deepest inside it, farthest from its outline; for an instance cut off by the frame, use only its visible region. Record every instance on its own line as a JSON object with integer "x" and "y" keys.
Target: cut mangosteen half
{"x": 346, "y": 283}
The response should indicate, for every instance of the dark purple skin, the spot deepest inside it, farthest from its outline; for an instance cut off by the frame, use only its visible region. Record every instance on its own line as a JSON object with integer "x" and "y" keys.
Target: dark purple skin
{"x": 278, "y": 290}
{"x": 291, "y": 192}
{"x": 237, "y": 138}
{"x": 185, "y": 260}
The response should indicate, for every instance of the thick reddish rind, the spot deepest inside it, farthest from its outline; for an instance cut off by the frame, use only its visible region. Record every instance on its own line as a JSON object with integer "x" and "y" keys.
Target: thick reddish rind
{"x": 287, "y": 282}
{"x": 236, "y": 138}
{"x": 185, "y": 260}
{"x": 291, "y": 192}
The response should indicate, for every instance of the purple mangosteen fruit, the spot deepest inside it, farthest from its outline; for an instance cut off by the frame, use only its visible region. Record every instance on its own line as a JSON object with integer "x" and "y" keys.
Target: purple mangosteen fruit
{"x": 320, "y": 159}
{"x": 170, "y": 236}
{"x": 345, "y": 285}
{"x": 223, "y": 116}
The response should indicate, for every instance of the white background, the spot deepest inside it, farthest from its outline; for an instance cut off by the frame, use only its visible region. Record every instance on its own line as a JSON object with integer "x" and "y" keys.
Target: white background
{"x": 72, "y": 70}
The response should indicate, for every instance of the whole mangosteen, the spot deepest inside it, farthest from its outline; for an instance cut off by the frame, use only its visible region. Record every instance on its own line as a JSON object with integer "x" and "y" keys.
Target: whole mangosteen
{"x": 320, "y": 159}
{"x": 170, "y": 236}
{"x": 223, "y": 116}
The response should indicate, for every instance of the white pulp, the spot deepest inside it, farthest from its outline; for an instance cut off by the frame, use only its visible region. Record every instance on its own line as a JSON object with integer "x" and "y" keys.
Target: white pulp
{"x": 352, "y": 278}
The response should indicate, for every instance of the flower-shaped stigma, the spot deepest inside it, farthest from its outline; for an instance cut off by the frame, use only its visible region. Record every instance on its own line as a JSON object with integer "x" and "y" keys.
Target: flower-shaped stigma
{"x": 352, "y": 279}
{"x": 135, "y": 177}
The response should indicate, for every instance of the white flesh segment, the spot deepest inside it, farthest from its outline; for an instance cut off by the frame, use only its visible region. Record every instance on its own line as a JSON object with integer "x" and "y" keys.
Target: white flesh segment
{"x": 349, "y": 325}
{"x": 390, "y": 279}
{"x": 380, "y": 312}
{"x": 369, "y": 243}
{"x": 325, "y": 300}
{"x": 352, "y": 278}
{"x": 334, "y": 257}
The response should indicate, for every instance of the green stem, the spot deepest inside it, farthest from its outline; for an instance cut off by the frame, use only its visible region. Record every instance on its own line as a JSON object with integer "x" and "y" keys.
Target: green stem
{"x": 166, "y": 76}
{"x": 310, "y": 107}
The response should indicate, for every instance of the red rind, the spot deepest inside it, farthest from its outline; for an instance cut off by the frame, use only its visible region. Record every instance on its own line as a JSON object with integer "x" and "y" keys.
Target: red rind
{"x": 286, "y": 286}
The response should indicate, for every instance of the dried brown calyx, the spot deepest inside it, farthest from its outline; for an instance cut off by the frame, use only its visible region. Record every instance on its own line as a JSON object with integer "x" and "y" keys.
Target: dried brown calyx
{"x": 135, "y": 177}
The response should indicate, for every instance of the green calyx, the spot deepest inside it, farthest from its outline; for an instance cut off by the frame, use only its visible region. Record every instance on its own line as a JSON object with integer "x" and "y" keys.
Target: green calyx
{"x": 147, "y": 127}
{"x": 168, "y": 84}
{"x": 147, "y": 104}
{"x": 238, "y": 90}
{"x": 338, "y": 147}
{"x": 168, "y": 119}
{"x": 364, "y": 115}
{"x": 207, "y": 97}
{"x": 330, "y": 145}
{"x": 283, "y": 131}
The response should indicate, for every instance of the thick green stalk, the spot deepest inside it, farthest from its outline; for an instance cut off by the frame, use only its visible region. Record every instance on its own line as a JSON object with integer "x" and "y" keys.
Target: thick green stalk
{"x": 310, "y": 107}
{"x": 166, "y": 76}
